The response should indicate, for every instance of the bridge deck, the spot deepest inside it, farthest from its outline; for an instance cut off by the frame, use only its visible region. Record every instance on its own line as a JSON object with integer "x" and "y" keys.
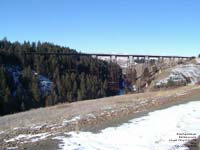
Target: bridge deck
{"x": 103, "y": 55}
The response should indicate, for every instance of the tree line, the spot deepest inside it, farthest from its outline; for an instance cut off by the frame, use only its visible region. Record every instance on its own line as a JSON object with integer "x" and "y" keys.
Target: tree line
{"x": 74, "y": 78}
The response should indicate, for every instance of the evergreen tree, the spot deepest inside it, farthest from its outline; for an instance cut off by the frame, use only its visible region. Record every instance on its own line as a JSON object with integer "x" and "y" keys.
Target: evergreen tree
{"x": 7, "y": 98}
{"x": 49, "y": 100}
{"x": 79, "y": 97}
{"x": 82, "y": 86}
{"x": 35, "y": 89}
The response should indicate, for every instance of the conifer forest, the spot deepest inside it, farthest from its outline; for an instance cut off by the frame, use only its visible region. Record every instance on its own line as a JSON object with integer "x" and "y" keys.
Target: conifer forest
{"x": 30, "y": 81}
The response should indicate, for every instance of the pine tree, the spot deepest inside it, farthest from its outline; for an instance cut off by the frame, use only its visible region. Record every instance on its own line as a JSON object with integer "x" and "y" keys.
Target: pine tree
{"x": 49, "y": 100}
{"x": 26, "y": 77}
{"x": 79, "y": 97}
{"x": 22, "y": 106}
{"x": 74, "y": 91}
{"x": 2, "y": 80}
{"x": 35, "y": 89}
{"x": 7, "y": 98}
{"x": 105, "y": 85}
{"x": 69, "y": 97}
{"x": 82, "y": 85}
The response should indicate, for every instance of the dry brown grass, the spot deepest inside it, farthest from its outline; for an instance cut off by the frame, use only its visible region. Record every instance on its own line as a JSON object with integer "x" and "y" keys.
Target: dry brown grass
{"x": 56, "y": 114}
{"x": 103, "y": 111}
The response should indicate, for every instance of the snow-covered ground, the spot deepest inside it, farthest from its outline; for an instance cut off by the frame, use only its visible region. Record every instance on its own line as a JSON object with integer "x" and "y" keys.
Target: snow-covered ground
{"x": 158, "y": 130}
{"x": 27, "y": 137}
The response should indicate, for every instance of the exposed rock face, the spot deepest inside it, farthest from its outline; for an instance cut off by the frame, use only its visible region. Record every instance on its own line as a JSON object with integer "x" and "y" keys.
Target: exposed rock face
{"x": 182, "y": 75}
{"x": 191, "y": 72}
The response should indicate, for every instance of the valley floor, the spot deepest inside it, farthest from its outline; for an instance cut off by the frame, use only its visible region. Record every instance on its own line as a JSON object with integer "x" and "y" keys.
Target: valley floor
{"x": 27, "y": 128}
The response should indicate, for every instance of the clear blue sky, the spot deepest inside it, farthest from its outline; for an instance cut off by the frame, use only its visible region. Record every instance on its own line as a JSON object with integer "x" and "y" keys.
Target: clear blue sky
{"x": 163, "y": 27}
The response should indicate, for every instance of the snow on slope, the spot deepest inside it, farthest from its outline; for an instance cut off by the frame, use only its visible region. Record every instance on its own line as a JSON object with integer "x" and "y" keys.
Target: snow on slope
{"x": 24, "y": 138}
{"x": 188, "y": 74}
{"x": 159, "y": 130}
{"x": 197, "y": 61}
{"x": 45, "y": 83}
{"x": 15, "y": 71}
{"x": 190, "y": 71}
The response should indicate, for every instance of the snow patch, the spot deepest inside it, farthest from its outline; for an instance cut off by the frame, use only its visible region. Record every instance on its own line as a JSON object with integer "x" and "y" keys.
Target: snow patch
{"x": 16, "y": 128}
{"x": 38, "y": 127}
{"x": 16, "y": 73}
{"x": 51, "y": 125}
{"x": 180, "y": 94}
{"x": 30, "y": 137}
{"x": 45, "y": 84}
{"x": 73, "y": 120}
{"x": 183, "y": 74}
{"x": 12, "y": 147}
{"x": 56, "y": 127}
{"x": 77, "y": 119}
{"x": 197, "y": 61}
{"x": 154, "y": 131}
{"x": 106, "y": 108}
{"x": 91, "y": 116}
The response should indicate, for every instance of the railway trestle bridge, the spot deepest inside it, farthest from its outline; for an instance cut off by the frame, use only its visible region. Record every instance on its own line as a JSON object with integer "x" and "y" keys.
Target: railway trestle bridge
{"x": 136, "y": 69}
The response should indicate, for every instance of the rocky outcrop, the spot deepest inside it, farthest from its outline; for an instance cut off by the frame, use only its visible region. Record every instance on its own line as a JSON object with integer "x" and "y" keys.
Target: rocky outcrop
{"x": 181, "y": 75}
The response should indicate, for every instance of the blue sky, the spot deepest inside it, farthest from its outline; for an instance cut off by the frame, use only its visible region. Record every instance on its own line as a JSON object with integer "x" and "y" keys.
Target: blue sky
{"x": 163, "y": 27}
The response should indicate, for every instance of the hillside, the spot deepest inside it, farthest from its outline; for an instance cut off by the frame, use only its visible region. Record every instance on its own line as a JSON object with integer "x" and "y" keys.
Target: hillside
{"x": 29, "y": 81}
{"x": 179, "y": 75}
{"x": 32, "y": 81}
{"x": 27, "y": 128}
